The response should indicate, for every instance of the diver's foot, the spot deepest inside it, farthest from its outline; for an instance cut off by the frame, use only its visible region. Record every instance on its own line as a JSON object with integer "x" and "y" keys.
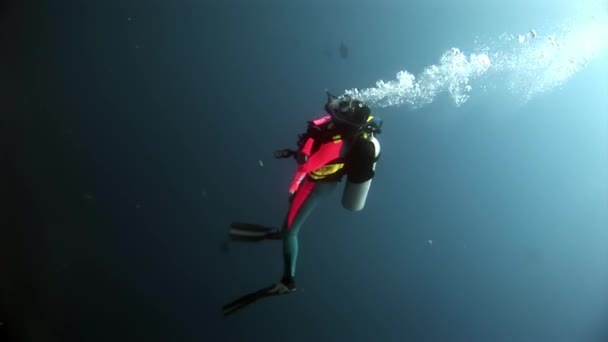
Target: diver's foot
{"x": 285, "y": 286}
{"x": 289, "y": 282}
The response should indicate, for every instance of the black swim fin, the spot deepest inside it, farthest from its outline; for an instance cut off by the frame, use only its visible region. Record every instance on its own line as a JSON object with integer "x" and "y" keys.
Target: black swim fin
{"x": 253, "y": 232}
{"x": 246, "y": 300}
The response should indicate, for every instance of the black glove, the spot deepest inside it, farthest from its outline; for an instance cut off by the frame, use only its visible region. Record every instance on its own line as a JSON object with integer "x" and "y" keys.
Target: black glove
{"x": 301, "y": 158}
{"x": 285, "y": 153}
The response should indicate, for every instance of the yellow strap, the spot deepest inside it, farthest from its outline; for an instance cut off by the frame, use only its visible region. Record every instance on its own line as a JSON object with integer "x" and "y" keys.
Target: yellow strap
{"x": 326, "y": 170}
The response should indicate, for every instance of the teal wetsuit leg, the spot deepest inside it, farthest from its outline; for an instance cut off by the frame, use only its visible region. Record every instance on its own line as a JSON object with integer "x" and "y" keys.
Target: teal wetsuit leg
{"x": 290, "y": 234}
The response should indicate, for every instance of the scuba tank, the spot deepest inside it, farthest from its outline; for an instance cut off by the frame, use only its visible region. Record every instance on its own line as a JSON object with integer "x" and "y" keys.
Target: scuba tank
{"x": 361, "y": 166}
{"x": 362, "y": 156}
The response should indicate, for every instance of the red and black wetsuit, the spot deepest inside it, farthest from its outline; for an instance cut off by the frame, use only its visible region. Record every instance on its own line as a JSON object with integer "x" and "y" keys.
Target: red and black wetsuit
{"x": 317, "y": 176}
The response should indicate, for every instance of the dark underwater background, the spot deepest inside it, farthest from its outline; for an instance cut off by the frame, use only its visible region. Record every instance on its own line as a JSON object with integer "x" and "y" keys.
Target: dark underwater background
{"x": 134, "y": 132}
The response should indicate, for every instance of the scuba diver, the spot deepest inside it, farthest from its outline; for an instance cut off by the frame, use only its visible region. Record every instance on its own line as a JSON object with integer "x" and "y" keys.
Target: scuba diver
{"x": 341, "y": 143}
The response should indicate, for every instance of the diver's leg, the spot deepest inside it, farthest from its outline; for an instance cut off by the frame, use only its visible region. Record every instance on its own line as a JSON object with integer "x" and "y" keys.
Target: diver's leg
{"x": 304, "y": 202}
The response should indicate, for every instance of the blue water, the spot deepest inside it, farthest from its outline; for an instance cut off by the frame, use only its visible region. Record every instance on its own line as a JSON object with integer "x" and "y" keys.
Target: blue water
{"x": 136, "y": 131}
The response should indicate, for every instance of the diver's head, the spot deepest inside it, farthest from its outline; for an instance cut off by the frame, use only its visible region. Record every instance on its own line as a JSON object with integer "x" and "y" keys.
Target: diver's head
{"x": 346, "y": 110}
